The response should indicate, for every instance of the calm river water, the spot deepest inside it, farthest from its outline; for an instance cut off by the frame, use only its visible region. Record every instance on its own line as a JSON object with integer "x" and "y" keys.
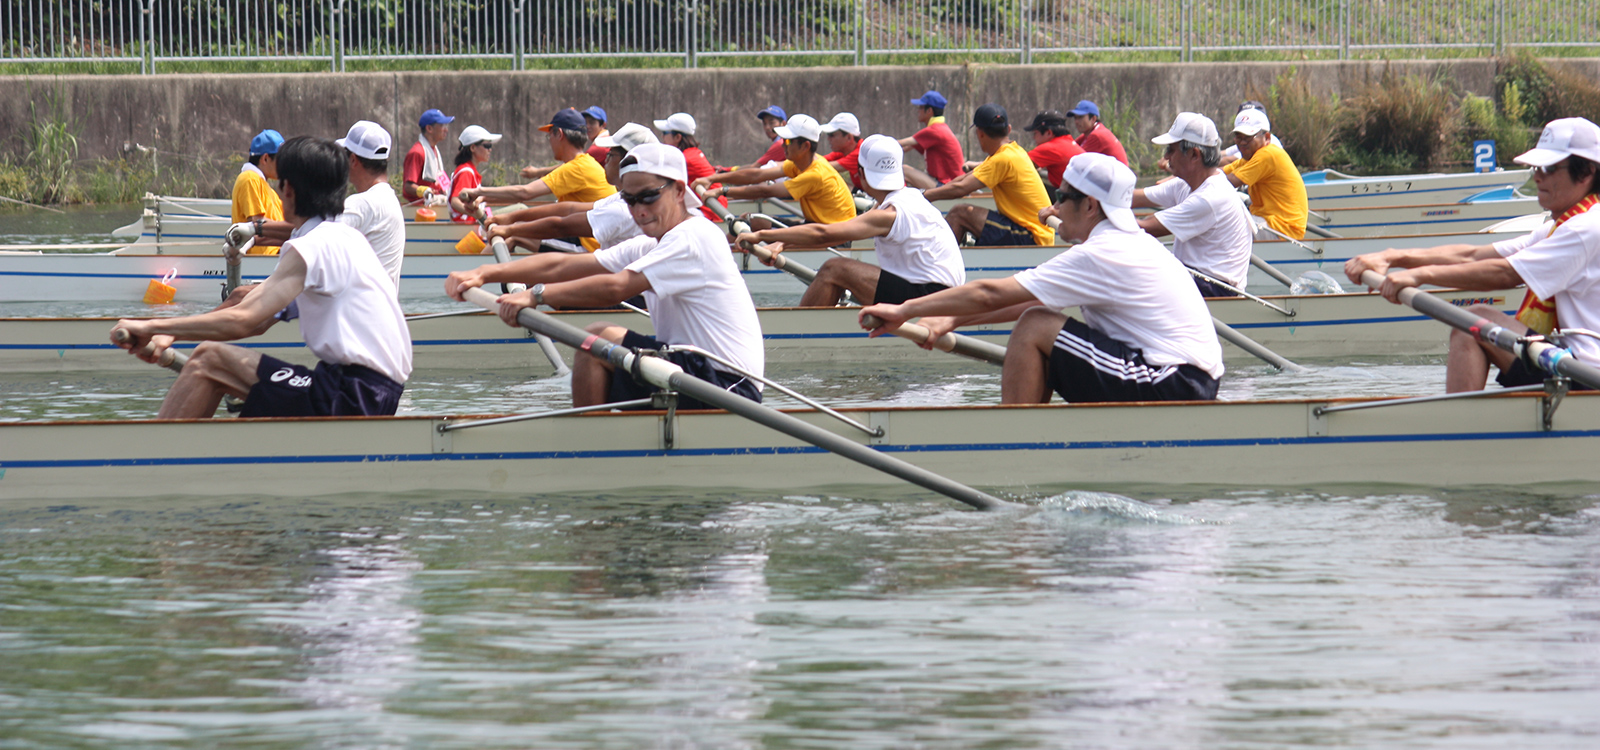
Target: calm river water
{"x": 681, "y": 618}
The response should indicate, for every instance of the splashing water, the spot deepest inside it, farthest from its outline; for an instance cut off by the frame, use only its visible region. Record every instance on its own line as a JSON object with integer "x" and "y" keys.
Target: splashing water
{"x": 1110, "y": 507}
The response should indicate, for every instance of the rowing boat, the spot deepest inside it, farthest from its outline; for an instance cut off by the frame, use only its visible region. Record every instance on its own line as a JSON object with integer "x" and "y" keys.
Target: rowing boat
{"x": 1330, "y": 189}
{"x": 1311, "y": 326}
{"x": 1388, "y": 220}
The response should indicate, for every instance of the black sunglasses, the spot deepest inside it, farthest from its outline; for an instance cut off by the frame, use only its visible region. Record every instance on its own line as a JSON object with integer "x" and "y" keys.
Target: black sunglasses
{"x": 1550, "y": 169}
{"x": 487, "y": 146}
{"x": 643, "y": 197}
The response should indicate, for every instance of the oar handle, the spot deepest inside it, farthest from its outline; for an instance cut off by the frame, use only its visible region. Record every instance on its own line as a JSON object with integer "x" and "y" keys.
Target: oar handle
{"x": 170, "y": 358}
{"x": 760, "y": 251}
{"x": 954, "y": 343}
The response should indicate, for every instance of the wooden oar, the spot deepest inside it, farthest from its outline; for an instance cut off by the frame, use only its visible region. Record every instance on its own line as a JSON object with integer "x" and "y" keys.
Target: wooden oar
{"x": 503, "y": 255}
{"x": 661, "y": 373}
{"x": 170, "y": 358}
{"x": 1549, "y": 357}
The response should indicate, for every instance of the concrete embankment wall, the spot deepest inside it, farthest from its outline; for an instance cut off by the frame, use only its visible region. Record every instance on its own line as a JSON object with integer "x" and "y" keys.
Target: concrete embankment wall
{"x": 208, "y": 117}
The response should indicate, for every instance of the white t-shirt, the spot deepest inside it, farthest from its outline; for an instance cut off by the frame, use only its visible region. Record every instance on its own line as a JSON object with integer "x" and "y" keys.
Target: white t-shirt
{"x": 375, "y": 213}
{"x": 920, "y": 247}
{"x": 349, "y": 312}
{"x": 611, "y": 221}
{"x": 1210, "y": 226}
{"x": 696, "y": 295}
{"x": 1233, "y": 151}
{"x": 1130, "y": 288}
{"x": 1565, "y": 267}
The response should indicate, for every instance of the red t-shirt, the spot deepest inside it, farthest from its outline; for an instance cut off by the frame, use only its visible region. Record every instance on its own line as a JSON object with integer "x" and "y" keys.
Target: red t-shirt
{"x": 1052, "y": 156}
{"x": 774, "y": 153}
{"x": 699, "y": 166}
{"x": 466, "y": 176}
{"x": 849, "y": 161}
{"x": 1100, "y": 140}
{"x": 599, "y": 153}
{"x": 941, "y": 150}
{"x": 411, "y": 168}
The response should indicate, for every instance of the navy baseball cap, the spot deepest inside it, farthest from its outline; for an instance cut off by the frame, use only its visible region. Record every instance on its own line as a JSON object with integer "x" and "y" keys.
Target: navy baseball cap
{"x": 990, "y": 115}
{"x": 434, "y": 117}
{"x": 773, "y": 111}
{"x": 597, "y": 113}
{"x": 1045, "y": 120}
{"x": 566, "y": 119}
{"x": 1085, "y": 107}
{"x": 265, "y": 142}
{"x": 931, "y": 99}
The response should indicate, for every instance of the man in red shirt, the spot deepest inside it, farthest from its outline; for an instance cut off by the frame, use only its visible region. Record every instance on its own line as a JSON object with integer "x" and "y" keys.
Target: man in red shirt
{"x": 935, "y": 141}
{"x": 595, "y": 119}
{"x": 1094, "y": 137}
{"x": 771, "y": 118}
{"x": 1053, "y": 144}
{"x": 844, "y": 137}
{"x": 424, "y": 165}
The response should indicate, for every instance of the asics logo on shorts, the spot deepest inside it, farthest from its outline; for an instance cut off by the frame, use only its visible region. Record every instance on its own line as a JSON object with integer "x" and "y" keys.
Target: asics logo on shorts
{"x": 295, "y": 381}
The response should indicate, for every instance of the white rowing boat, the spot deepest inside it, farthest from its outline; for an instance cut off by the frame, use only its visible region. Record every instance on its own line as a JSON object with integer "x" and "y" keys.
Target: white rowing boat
{"x": 1313, "y": 326}
{"x": 1387, "y": 220}
{"x": 1330, "y": 189}
{"x": 1498, "y": 440}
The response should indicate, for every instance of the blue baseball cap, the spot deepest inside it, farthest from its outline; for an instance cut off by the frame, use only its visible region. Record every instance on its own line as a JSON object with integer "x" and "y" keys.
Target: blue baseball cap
{"x": 1085, "y": 107}
{"x": 566, "y": 119}
{"x": 265, "y": 142}
{"x": 931, "y": 99}
{"x": 434, "y": 117}
{"x": 773, "y": 111}
{"x": 597, "y": 113}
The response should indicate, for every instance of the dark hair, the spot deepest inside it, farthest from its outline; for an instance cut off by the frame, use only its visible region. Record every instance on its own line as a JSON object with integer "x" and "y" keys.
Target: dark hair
{"x": 578, "y": 138}
{"x": 464, "y": 156}
{"x": 375, "y": 166}
{"x": 996, "y": 132}
{"x": 685, "y": 141}
{"x": 937, "y": 111}
{"x": 256, "y": 159}
{"x": 317, "y": 169}
{"x": 1579, "y": 169}
{"x": 1210, "y": 156}
{"x": 1069, "y": 193}
{"x": 808, "y": 142}
{"x": 1059, "y": 128}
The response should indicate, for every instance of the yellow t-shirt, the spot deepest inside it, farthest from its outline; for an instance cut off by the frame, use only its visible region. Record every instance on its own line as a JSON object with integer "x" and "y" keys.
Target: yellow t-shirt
{"x": 1018, "y": 191}
{"x": 1277, "y": 193}
{"x": 252, "y": 196}
{"x": 582, "y": 180}
{"x": 823, "y": 194}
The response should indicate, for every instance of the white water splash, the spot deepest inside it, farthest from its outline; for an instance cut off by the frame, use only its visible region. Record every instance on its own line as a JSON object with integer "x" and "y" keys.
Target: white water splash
{"x": 1110, "y": 507}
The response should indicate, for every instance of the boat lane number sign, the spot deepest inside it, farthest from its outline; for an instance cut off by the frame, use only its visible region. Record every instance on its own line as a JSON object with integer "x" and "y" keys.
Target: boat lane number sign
{"x": 1483, "y": 156}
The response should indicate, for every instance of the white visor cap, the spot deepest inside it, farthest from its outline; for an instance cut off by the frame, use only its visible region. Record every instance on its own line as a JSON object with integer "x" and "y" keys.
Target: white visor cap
{"x": 680, "y": 122}
{"x": 1107, "y": 180}
{"x": 800, "y": 126}
{"x": 1192, "y": 127}
{"x": 478, "y": 134}
{"x": 1571, "y": 136}
{"x": 843, "y": 121}
{"x": 880, "y": 159}
{"x": 662, "y": 160}
{"x": 1250, "y": 122}
{"x": 367, "y": 140}
{"x": 628, "y": 137}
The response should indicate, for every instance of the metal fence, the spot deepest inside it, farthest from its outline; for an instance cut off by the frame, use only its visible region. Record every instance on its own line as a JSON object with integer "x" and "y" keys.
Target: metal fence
{"x": 591, "y": 32}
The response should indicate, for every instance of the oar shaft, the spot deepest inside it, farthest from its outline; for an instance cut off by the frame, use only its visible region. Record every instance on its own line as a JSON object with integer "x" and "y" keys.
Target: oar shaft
{"x": 1226, "y": 333}
{"x": 954, "y": 343}
{"x": 502, "y": 254}
{"x": 1268, "y": 269}
{"x": 781, "y": 263}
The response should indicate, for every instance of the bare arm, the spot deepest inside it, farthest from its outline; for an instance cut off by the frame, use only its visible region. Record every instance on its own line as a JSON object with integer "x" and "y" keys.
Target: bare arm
{"x": 956, "y": 188}
{"x": 741, "y": 177}
{"x": 1443, "y": 255}
{"x": 534, "y": 269}
{"x": 1139, "y": 201}
{"x": 1479, "y": 275}
{"x": 554, "y": 227}
{"x": 751, "y": 192}
{"x": 252, "y": 316}
{"x": 503, "y": 195}
{"x": 908, "y": 143}
{"x": 601, "y": 290}
{"x": 874, "y": 223}
{"x": 1152, "y": 225}
{"x": 547, "y": 210}
{"x": 971, "y": 299}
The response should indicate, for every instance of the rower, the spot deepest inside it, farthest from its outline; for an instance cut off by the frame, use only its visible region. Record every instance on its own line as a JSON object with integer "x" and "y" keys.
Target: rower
{"x": 844, "y": 137}
{"x": 772, "y": 118}
{"x": 823, "y": 195}
{"x": 477, "y": 145}
{"x": 423, "y": 172}
{"x": 349, "y": 315}
{"x": 1231, "y": 154}
{"x": 1200, "y": 209}
{"x": 678, "y": 130}
{"x": 1146, "y": 334}
{"x": 1559, "y": 262}
{"x": 935, "y": 141}
{"x": 607, "y": 220}
{"x": 1093, "y": 136}
{"x": 594, "y": 120}
{"x": 919, "y": 254}
{"x": 1010, "y": 175}
{"x": 253, "y": 198}
{"x": 1277, "y": 193}
{"x": 574, "y": 179}
{"x": 682, "y": 267}
{"x": 1053, "y": 145}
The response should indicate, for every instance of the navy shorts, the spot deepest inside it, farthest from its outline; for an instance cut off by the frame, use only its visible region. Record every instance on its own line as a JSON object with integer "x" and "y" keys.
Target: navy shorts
{"x": 1209, "y": 289}
{"x": 625, "y": 388}
{"x": 892, "y": 289}
{"x": 1087, "y": 366}
{"x": 1521, "y": 373}
{"x": 1000, "y": 230}
{"x": 286, "y": 390}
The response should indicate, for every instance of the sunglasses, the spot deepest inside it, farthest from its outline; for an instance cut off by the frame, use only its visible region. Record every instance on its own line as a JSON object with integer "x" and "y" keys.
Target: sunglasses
{"x": 1550, "y": 169}
{"x": 643, "y": 197}
{"x": 486, "y": 145}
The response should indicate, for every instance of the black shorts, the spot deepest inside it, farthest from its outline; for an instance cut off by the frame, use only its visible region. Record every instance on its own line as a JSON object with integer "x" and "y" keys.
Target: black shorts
{"x": 625, "y": 388}
{"x": 892, "y": 290}
{"x": 1087, "y": 366}
{"x": 1520, "y": 373}
{"x": 285, "y": 390}
{"x": 1209, "y": 289}
{"x": 1000, "y": 230}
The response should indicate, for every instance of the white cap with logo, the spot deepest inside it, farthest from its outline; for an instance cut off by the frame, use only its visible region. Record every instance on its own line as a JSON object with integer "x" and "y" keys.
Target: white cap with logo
{"x": 1107, "y": 180}
{"x": 880, "y": 159}
{"x": 1192, "y": 127}
{"x": 843, "y": 121}
{"x": 478, "y": 134}
{"x": 628, "y": 137}
{"x": 661, "y": 160}
{"x": 367, "y": 140}
{"x": 800, "y": 126}
{"x": 1250, "y": 122}
{"x": 1570, "y": 136}
{"x": 679, "y": 122}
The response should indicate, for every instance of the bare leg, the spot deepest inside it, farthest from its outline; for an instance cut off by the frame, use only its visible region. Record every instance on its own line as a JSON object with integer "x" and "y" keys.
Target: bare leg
{"x": 591, "y": 376}
{"x": 917, "y": 178}
{"x": 1025, "y": 377}
{"x": 964, "y": 218}
{"x": 756, "y": 223}
{"x": 835, "y": 276}
{"x": 1467, "y": 367}
{"x": 213, "y": 370}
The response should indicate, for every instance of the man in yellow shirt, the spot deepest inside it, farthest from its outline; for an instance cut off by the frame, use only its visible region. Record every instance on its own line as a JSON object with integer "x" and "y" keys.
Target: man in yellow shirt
{"x": 1277, "y": 193}
{"x": 1008, "y": 172}
{"x": 823, "y": 194}
{"x": 577, "y": 179}
{"x": 254, "y": 200}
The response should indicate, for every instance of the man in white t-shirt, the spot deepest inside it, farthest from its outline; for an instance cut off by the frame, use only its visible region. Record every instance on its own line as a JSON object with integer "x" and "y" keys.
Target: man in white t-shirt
{"x": 681, "y": 265}
{"x": 372, "y": 208}
{"x": 349, "y": 315}
{"x": 1145, "y": 336}
{"x": 917, "y": 252}
{"x": 1559, "y": 262}
{"x": 606, "y": 220}
{"x": 1200, "y": 208}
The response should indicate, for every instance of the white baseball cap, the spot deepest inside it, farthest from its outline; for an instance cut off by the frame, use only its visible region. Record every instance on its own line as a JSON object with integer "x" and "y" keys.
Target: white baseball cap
{"x": 1250, "y": 122}
{"x": 661, "y": 160}
{"x": 843, "y": 121}
{"x": 1570, "y": 136}
{"x": 1192, "y": 127}
{"x": 1107, "y": 180}
{"x": 367, "y": 140}
{"x": 476, "y": 134}
{"x": 629, "y": 137}
{"x": 880, "y": 159}
{"x": 680, "y": 122}
{"x": 800, "y": 126}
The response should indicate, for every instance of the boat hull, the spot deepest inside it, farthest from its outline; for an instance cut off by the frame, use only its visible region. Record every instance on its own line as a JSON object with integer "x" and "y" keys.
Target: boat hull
{"x": 1406, "y": 190}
